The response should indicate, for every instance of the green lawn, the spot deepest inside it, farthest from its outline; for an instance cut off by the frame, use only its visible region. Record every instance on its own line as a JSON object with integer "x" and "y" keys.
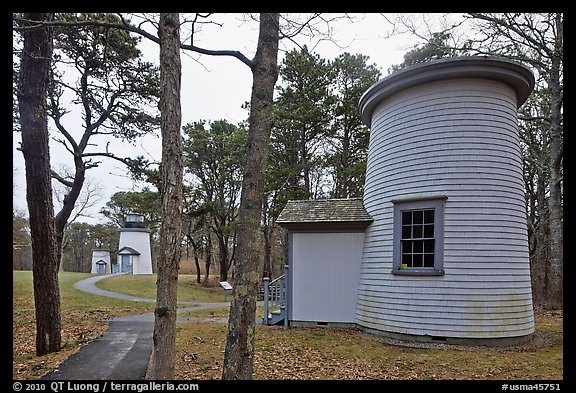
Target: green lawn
{"x": 145, "y": 286}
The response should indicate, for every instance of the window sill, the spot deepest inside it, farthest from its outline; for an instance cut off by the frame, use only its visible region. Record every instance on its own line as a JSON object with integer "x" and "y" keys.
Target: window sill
{"x": 418, "y": 272}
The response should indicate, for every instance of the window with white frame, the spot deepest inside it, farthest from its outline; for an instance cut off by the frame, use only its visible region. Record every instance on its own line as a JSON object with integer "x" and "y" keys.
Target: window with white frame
{"x": 419, "y": 236}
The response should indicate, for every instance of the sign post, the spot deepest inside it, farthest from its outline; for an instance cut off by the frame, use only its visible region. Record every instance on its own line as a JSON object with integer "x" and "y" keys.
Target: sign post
{"x": 226, "y": 286}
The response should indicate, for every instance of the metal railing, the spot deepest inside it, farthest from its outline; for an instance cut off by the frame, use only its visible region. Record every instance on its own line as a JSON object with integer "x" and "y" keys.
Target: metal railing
{"x": 275, "y": 296}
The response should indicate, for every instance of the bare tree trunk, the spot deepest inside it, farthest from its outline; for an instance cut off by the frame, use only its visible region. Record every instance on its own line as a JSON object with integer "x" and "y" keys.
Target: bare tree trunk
{"x": 538, "y": 240}
{"x": 208, "y": 261}
{"x": 304, "y": 162}
{"x": 34, "y": 71}
{"x": 342, "y": 187}
{"x": 556, "y": 273}
{"x": 239, "y": 352}
{"x": 197, "y": 263}
{"x": 164, "y": 351}
{"x": 61, "y": 219}
{"x": 195, "y": 250}
{"x": 223, "y": 256}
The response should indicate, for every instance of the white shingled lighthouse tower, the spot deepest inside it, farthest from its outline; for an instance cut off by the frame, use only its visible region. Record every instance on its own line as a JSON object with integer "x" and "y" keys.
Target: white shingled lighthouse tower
{"x": 134, "y": 256}
{"x": 437, "y": 248}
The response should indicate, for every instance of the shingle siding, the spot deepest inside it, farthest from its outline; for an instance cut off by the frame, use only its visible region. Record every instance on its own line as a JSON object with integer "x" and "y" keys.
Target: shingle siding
{"x": 457, "y": 138}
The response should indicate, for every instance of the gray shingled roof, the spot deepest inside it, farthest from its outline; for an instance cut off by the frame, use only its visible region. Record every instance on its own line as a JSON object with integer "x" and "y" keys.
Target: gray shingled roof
{"x": 324, "y": 210}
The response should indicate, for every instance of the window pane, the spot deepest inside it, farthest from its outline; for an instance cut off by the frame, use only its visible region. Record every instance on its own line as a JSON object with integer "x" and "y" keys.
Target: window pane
{"x": 406, "y": 247}
{"x": 428, "y": 260}
{"x": 418, "y": 247}
{"x": 429, "y": 246}
{"x": 417, "y": 229}
{"x": 418, "y": 216}
{"x": 406, "y": 217}
{"x": 417, "y": 260}
{"x": 429, "y": 216}
{"x": 406, "y": 232}
{"x": 407, "y": 259}
{"x": 429, "y": 230}
{"x": 417, "y": 232}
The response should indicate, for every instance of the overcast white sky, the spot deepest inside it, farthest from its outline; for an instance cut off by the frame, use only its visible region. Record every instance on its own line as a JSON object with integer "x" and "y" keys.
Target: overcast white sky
{"x": 215, "y": 88}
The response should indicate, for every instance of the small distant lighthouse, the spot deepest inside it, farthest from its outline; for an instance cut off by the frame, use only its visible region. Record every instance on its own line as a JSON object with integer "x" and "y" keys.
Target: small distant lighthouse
{"x": 134, "y": 256}
{"x": 100, "y": 261}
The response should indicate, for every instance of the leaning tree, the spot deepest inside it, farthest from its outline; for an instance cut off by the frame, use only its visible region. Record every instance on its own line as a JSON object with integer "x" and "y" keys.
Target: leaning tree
{"x": 113, "y": 88}
{"x": 32, "y": 89}
{"x": 100, "y": 68}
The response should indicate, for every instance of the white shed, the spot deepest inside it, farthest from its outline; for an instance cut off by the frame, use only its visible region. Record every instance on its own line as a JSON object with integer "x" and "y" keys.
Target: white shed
{"x": 325, "y": 243}
{"x": 101, "y": 262}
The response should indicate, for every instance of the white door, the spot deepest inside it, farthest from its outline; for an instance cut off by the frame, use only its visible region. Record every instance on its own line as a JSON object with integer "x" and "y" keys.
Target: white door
{"x": 126, "y": 264}
{"x": 325, "y": 276}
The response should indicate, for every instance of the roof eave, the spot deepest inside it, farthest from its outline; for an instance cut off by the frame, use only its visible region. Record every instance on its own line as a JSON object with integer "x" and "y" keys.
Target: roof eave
{"x": 325, "y": 226}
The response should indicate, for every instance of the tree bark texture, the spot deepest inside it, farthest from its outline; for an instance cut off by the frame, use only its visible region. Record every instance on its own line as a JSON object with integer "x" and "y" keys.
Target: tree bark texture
{"x": 208, "y": 261}
{"x": 69, "y": 202}
{"x": 304, "y": 162}
{"x": 223, "y": 257}
{"x": 556, "y": 273}
{"x": 239, "y": 352}
{"x": 164, "y": 351}
{"x": 539, "y": 258}
{"x": 34, "y": 71}
{"x": 196, "y": 251}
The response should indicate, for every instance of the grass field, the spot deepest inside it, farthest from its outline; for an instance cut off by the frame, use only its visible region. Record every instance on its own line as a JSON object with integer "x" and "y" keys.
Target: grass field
{"x": 145, "y": 286}
{"x": 294, "y": 353}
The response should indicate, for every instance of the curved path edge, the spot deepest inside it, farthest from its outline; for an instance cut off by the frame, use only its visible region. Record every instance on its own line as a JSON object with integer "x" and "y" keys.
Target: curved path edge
{"x": 123, "y": 351}
{"x": 89, "y": 285}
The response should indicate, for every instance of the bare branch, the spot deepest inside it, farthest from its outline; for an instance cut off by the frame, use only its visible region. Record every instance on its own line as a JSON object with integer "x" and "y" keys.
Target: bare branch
{"x": 129, "y": 27}
{"x": 89, "y": 198}
{"x": 67, "y": 135}
{"x": 239, "y": 55}
{"x": 316, "y": 27}
{"x": 62, "y": 180}
{"x": 509, "y": 25}
{"x": 124, "y": 160}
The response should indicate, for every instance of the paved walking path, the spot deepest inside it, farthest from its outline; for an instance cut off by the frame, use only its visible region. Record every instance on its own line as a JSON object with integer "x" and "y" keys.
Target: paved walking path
{"x": 123, "y": 351}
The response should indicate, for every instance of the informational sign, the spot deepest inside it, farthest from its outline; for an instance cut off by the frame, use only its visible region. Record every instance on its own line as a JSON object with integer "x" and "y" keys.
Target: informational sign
{"x": 226, "y": 285}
